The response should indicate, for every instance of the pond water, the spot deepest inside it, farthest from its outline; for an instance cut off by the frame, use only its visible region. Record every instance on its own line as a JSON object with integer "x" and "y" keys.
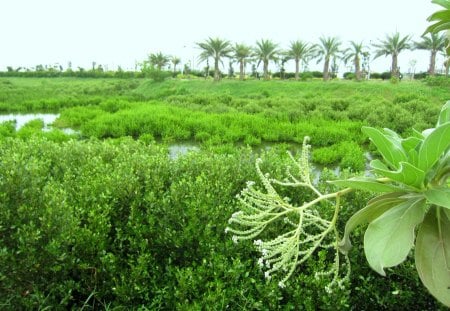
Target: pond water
{"x": 179, "y": 149}
{"x": 22, "y": 119}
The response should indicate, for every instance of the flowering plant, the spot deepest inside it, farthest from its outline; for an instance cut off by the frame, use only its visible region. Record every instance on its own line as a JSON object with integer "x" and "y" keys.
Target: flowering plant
{"x": 412, "y": 180}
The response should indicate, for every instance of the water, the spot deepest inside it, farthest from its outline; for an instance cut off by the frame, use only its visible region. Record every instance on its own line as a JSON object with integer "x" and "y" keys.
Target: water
{"x": 22, "y": 119}
{"x": 177, "y": 150}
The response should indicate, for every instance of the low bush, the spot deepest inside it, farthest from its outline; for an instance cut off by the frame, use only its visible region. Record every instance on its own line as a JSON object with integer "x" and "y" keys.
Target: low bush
{"x": 118, "y": 224}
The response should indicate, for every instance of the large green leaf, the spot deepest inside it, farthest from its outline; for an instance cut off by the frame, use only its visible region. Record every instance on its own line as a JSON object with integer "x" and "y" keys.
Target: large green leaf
{"x": 366, "y": 184}
{"x": 390, "y": 237}
{"x": 444, "y": 115}
{"x": 407, "y": 173}
{"x": 375, "y": 208}
{"x": 410, "y": 143}
{"x": 432, "y": 254}
{"x": 389, "y": 146}
{"x": 434, "y": 146}
{"x": 438, "y": 196}
{"x": 443, "y": 3}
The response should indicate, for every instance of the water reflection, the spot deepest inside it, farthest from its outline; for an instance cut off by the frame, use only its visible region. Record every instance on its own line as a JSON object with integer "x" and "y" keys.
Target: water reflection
{"x": 21, "y": 119}
{"x": 177, "y": 150}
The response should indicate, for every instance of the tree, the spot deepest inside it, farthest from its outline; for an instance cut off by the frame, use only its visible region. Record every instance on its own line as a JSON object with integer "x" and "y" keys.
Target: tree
{"x": 158, "y": 60}
{"x": 299, "y": 51}
{"x": 442, "y": 19}
{"x": 392, "y": 45}
{"x": 242, "y": 53}
{"x": 175, "y": 61}
{"x": 354, "y": 53}
{"x": 328, "y": 48}
{"x": 434, "y": 43}
{"x": 265, "y": 52}
{"x": 216, "y": 49}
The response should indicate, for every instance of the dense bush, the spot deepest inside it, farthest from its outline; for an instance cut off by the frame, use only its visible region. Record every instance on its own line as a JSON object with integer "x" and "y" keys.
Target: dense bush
{"x": 117, "y": 223}
{"x": 440, "y": 81}
{"x": 375, "y": 75}
{"x": 385, "y": 75}
{"x": 349, "y": 75}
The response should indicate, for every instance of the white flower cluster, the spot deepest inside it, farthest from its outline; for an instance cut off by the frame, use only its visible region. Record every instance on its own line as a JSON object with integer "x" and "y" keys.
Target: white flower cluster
{"x": 306, "y": 231}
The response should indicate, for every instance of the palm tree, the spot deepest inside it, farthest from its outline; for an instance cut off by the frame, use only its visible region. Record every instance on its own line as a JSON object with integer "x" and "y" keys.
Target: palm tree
{"x": 242, "y": 53}
{"x": 265, "y": 52}
{"x": 159, "y": 60}
{"x": 328, "y": 48}
{"x": 299, "y": 51}
{"x": 175, "y": 61}
{"x": 434, "y": 43}
{"x": 392, "y": 45}
{"x": 442, "y": 23}
{"x": 442, "y": 19}
{"x": 215, "y": 48}
{"x": 354, "y": 53}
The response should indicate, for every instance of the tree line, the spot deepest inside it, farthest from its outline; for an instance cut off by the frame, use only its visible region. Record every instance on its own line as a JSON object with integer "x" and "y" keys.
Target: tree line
{"x": 329, "y": 50}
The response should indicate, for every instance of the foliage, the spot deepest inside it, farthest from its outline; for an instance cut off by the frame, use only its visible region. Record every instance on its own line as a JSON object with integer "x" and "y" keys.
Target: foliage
{"x": 266, "y": 51}
{"x": 413, "y": 185}
{"x": 242, "y": 54}
{"x": 158, "y": 60}
{"x": 300, "y": 51}
{"x": 392, "y": 45}
{"x": 354, "y": 53}
{"x": 216, "y": 49}
{"x": 434, "y": 43}
{"x": 105, "y": 224}
{"x": 328, "y": 48}
{"x": 117, "y": 224}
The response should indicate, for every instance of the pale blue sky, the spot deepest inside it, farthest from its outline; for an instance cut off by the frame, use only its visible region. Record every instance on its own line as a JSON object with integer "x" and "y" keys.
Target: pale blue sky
{"x": 116, "y": 32}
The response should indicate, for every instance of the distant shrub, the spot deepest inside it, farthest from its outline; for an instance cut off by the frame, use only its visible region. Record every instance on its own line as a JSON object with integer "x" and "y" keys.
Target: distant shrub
{"x": 385, "y": 75}
{"x": 421, "y": 75}
{"x": 349, "y": 75}
{"x": 158, "y": 75}
{"x": 439, "y": 81}
{"x": 304, "y": 76}
{"x": 7, "y": 129}
{"x": 114, "y": 104}
{"x": 317, "y": 74}
{"x": 375, "y": 75}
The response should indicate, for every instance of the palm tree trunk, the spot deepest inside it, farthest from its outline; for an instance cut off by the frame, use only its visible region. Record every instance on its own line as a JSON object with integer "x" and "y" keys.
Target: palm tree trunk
{"x": 241, "y": 70}
{"x": 394, "y": 68}
{"x": 266, "y": 70}
{"x": 326, "y": 66}
{"x": 432, "y": 63}
{"x": 216, "y": 69}
{"x": 297, "y": 68}
{"x": 357, "y": 69}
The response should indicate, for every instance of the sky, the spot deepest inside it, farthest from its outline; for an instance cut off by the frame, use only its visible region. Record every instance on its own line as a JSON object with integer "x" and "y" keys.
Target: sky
{"x": 124, "y": 32}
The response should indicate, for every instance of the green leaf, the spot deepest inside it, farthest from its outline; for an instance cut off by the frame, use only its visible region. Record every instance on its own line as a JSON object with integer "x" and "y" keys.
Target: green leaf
{"x": 438, "y": 196}
{"x": 443, "y": 3}
{"x": 366, "y": 184}
{"x": 390, "y": 237}
{"x": 432, "y": 254}
{"x": 407, "y": 174}
{"x": 433, "y": 147}
{"x": 444, "y": 115}
{"x": 389, "y": 146}
{"x": 377, "y": 164}
{"x": 440, "y": 15}
{"x": 375, "y": 208}
{"x": 411, "y": 143}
